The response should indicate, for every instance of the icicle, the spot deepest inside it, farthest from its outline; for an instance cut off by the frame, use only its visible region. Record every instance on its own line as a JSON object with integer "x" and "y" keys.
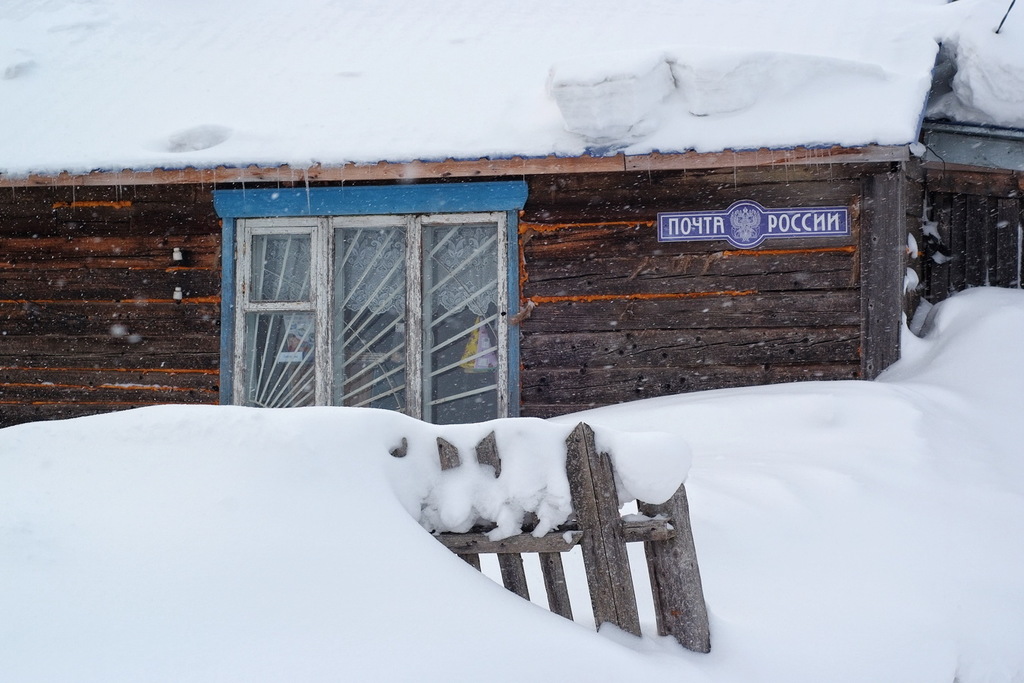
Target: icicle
{"x": 305, "y": 179}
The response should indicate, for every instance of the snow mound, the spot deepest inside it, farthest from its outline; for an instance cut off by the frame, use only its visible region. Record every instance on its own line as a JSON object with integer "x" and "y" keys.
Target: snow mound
{"x": 611, "y": 96}
{"x": 988, "y": 86}
{"x": 618, "y": 96}
{"x": 197, "y": 138}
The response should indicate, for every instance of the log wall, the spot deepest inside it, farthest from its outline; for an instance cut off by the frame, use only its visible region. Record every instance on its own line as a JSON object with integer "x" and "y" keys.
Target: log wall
{"x": 88, "y": 322}
{"x": 619, "y": 316}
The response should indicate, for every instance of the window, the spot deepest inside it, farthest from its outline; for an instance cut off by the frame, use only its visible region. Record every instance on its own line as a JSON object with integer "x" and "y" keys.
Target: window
{"x": 372, "y": 297}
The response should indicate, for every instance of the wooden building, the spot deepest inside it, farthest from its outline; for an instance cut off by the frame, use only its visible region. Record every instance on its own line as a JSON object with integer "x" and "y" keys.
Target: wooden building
{"x": 429, "y": 228}
{"x": 251, "y": 286}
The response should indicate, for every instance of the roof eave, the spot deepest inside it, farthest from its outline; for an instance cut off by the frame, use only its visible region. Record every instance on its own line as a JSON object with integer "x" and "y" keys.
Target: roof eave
{"x": 469, "y": 168}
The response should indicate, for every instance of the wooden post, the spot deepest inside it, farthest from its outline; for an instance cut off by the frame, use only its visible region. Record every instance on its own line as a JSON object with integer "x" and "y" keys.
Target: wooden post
{"x": 448, "y": 454}
{"x": 487, "y": 453}
{"x": 592, "y": 486}
{"x": 675, "y": 577}
{"x": 883, "y": 245}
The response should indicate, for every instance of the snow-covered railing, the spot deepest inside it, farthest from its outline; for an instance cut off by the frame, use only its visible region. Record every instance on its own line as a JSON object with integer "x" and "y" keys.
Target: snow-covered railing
{"x": 509, "y": 521}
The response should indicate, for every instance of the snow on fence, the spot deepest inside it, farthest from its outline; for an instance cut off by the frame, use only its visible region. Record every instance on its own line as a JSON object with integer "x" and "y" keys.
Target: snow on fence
{"x": 602, "y": 534}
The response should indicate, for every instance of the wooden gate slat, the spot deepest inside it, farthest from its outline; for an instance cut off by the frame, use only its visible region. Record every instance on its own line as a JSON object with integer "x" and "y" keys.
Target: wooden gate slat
{"x": 472, "y": 559}
{"x": 513, "y": 575}
{"x": 1008, "y": 243}
{"x": 592, "y": 486}
{"x": 554, "y": 584}
{"x": 675, "y": 577}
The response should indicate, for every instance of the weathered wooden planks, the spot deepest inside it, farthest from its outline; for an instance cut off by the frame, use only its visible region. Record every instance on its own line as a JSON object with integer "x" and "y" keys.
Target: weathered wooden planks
{"x": 680, "y": 348}
{"x": 87, "y": 284}
{"x": 602, "y": 536}
{"x": 557, "y": 391}
{"x": 616, "y": 315}
{"x": 812, "y": 308}
{"x": 675, "y": 577}
{"x": 977, "y": 216}
{"x": 463, "y": 168}
{"x": 592, "y": 484}
{"x": 882, "y": 264}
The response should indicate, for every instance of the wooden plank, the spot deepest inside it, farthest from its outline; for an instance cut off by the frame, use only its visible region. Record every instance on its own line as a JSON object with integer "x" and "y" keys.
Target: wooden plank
{"x": 623, "y": 200}
{"x": 109, "y": 285}
{"x": 62, "y": 253}
{"x": 106, "y": 394}
{"x": 675, "y": 348}
{"x": 816, "y": 308}
{"x": 675, "y": 577}
{"x": 974, "y": 181}
{"x": 183, "y": 351}
{"x": 13, "y": 413}
{"x": 516, "y": 166}
{"x": 513, "y": 575}
{"x": 672, "y": 273}
{"x": 958, "y": 244}
{"x": 810, "y": 372}
{"x": 202, "y": 382}
{"x": 478, "y": 543}
{"x": 937, "y": 275}
{"x": 883, "y": 250}
{"x": 761, "y": 157}
{"x": 1008, "y": 246}
{"x": 561, "y": 540}
{"x": 554, "y": 584}
{"x": 637, "y": 240}
{"x": 991, "y": 246}
{"x": 975, "y": 265}
{"x": 117, "y": 319}
{"x": 592, "y": 486}
{"x": 590, "y": 387}
{"x": 607, "y": 279}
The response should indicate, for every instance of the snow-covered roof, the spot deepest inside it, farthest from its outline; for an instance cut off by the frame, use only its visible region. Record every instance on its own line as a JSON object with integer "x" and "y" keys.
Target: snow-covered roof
{"x": 115, "y": 84}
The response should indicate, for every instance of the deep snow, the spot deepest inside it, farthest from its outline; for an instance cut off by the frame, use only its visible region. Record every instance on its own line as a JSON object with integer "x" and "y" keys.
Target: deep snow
{"x": 847, "y": 531}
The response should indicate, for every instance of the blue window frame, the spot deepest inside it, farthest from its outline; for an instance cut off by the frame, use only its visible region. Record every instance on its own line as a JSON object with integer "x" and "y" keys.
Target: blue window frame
{"x": 385, "y": 296}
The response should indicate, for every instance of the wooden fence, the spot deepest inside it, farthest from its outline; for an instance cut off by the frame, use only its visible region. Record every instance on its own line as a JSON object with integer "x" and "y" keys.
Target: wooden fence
{"x": 975, "y": 236}
{"x": 602, "y": 536}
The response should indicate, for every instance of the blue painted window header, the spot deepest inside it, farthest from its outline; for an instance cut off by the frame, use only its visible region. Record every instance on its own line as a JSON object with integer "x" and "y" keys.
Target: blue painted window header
{"x": 376, "y": 199}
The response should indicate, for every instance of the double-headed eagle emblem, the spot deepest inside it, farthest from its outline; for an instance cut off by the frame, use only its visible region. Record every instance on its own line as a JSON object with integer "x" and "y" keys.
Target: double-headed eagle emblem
{"x": 745, "y": 222}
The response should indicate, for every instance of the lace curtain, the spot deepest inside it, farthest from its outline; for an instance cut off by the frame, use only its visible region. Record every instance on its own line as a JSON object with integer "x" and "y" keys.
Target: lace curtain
{"x": 464, "y": 260}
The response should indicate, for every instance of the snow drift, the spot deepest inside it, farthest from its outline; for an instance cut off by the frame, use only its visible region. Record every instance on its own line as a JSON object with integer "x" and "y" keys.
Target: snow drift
{"x": 846, "y": 531}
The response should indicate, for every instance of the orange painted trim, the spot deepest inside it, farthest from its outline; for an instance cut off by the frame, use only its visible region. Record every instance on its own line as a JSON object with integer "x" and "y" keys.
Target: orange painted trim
{"x": 92, "y": 205}
{"x": 588, "y": 298}
{"x": 167, "y": 371}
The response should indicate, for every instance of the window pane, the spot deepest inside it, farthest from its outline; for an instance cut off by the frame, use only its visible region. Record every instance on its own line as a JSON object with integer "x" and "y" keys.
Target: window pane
{"x": 460, "y": 306}
{"x": 369, "y": 318}
{"x": 280, "y": 267}
{"x": 279, "y": 368}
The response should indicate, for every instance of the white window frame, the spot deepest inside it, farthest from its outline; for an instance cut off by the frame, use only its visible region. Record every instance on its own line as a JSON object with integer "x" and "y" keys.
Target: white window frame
{"x": 322, "y": 231}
